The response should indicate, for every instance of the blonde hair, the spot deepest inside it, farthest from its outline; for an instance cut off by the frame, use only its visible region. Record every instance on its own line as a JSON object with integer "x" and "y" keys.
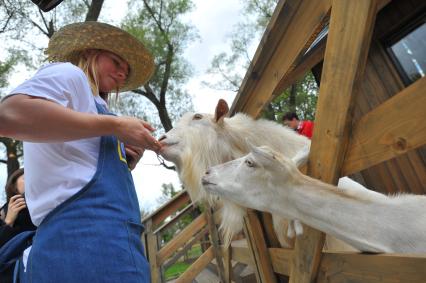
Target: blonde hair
{"x": 88, "y": 65}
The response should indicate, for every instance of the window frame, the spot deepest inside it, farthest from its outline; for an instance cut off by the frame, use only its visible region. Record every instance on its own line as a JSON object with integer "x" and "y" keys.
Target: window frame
{"x": 396, "y": 35}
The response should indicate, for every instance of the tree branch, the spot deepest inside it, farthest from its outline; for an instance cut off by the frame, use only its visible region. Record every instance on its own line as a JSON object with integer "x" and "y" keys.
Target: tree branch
{"x": 94, "y": 10}
{"x": 166, "y": 75}
{"x": 148, "y": 94}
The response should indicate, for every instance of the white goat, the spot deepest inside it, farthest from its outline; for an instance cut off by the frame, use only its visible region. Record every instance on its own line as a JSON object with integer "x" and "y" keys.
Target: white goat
{"x": 199, "y": 141}
{"x": 268, "y": 181}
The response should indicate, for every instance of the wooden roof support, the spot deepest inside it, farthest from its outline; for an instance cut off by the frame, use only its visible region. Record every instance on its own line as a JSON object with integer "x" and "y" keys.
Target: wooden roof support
{"x": 391, "y": 129}
{"x": 289, "y": 34}
{"x": 351, "y": 26}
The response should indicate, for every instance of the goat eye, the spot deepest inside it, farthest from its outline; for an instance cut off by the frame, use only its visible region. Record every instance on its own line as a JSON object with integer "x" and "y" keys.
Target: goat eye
{"x": 197, "y": 117}
{"x": 249, "y": 163}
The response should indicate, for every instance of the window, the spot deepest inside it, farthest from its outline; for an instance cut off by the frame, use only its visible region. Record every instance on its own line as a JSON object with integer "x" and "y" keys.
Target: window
{"x": 408, "y": 52}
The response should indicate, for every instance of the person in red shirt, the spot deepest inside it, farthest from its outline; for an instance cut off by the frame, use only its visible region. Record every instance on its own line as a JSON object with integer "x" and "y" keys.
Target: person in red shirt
{"x": 305, "y": 128}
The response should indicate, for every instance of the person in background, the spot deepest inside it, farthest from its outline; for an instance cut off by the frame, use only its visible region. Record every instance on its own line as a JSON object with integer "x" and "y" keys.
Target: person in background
{"x": 305, "y": 128}
{"x": 86, "y": 209}
{"x": 14, "y": 216}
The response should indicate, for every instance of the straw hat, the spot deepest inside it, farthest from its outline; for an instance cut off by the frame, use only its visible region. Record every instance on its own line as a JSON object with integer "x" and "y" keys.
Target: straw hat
{"x": 67, "y": 43}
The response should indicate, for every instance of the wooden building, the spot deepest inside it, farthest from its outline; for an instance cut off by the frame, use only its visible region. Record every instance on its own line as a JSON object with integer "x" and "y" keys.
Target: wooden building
{"x": 369, "y": 57}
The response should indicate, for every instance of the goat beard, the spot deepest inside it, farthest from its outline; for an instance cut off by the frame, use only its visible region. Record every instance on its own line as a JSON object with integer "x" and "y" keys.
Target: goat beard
{"x": 232, "y": 221}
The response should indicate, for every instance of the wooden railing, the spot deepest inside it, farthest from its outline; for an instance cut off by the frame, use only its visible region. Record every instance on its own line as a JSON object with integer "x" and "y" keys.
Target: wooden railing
{"x": 161, "y": 256}
{"x": 266, "y": 262}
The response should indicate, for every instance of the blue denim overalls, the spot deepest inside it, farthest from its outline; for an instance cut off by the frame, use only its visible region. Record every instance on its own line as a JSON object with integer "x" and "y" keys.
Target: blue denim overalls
{"x": 94, "y": 236}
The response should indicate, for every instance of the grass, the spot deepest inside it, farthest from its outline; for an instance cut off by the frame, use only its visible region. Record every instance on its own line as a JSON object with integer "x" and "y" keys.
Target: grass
{"x": 176, "y": 269}
{"x": 179, "y": 267}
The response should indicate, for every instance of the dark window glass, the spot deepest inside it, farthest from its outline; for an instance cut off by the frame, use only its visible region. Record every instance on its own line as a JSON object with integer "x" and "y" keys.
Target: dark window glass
{"x": 409, "y": 52}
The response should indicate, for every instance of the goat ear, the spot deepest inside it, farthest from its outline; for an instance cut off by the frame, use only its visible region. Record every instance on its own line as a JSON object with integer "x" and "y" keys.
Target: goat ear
{"x": 221, "y": 111}
{"x": 264, "y": 155}
{"x": 251, "y": 146}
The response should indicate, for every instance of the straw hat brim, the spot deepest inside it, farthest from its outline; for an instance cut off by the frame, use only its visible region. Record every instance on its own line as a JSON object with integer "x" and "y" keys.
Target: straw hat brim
{"x": 67, "y": 44}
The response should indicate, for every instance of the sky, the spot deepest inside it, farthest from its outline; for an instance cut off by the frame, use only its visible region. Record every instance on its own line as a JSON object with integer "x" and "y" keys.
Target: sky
{"x": 214, "y": 21}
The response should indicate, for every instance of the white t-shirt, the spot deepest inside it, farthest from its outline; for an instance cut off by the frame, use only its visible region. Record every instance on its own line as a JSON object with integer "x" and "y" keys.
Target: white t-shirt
{"x": 56, "y": 171}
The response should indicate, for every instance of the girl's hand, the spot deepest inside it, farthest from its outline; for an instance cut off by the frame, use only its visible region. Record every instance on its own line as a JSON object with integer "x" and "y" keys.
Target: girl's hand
{"x": 133, "y": 155}
{"x": 136, "y": 132}
{"x": 16, "y": 204}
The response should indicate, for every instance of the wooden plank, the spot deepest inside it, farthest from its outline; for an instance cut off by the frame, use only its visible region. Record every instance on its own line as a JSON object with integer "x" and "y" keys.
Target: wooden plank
{"x": 179, "y": 240}
{"x": 175, "y": 219}
{"x": 304, "y": 65}
{"x": 393, "y": 128}
{"x": 351, "y": 26}
{"x": 281, "y": 259}
{"x": 187, "y": 247}
{"x": 365, "y": 268}
{"x": 227, "y": 261}
{"x": 277, "y": 27}
{"x": 168, "y": 208}
{"x": 151, "y": 252}
{"x": 243, "y": 255}
{"x": 306, "y": 20}
{"x": 196, "y": 267}
{"x": 214, "y": 237}
{"x": 257, "y": 245}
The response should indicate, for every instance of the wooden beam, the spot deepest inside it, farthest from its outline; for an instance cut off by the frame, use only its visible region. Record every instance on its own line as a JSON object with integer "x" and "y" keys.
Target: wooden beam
{"x": 300, "y": 27}
{"x": 227, "y": 260}
{"x": 275, "y": 30}
{"x": 351, "y": 26}
{"x": 257, "y": 245}
{"x": 393, "y": 128}
{"x": 367, "y": 268}
{"x": 242, "y": 254}
{"x": 151, "y": 252}
{"x": 190, "y": 207}
{"x": 179, "y": 240}
{"x": 214, "y": 237}
{"x": 168, "y": 208}
{"x": 304, "y": 65}
{"x": 196, "y": 267}
{"x": 185, "y": 248}
{"x": 281, "y": 260}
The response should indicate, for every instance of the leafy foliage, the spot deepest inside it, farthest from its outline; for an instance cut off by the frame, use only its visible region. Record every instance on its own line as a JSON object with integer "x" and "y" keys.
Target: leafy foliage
{"x": 303, "y": 101}
{"x": 300, "y": 97}
{"x": 160, "y": 26}
{"x": 230, "y": 68}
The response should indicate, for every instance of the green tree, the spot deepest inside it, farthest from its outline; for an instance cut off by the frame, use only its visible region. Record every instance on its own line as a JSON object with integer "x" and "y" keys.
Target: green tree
{"x": 301, "y": 98}
{"x": 160, "y": 26}
{"x": 230, "y": 68}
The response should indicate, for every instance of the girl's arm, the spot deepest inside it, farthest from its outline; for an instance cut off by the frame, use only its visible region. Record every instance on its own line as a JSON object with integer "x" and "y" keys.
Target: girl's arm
{"x": 38, "y": 120}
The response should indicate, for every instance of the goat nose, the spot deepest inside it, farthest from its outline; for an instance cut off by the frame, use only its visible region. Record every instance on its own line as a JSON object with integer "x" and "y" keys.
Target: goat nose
{"x": 163, "y": 137}
{"x": 207, "y": 172}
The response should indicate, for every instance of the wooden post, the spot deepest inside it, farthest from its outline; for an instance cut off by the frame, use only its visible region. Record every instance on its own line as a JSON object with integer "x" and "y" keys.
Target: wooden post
{"x": 257, "y": 245}
{"x": 152, "y": 248}
{"x": 351, "y": 25}
{"x": 227, "y": 260}
{"x": 214, "y": 235}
